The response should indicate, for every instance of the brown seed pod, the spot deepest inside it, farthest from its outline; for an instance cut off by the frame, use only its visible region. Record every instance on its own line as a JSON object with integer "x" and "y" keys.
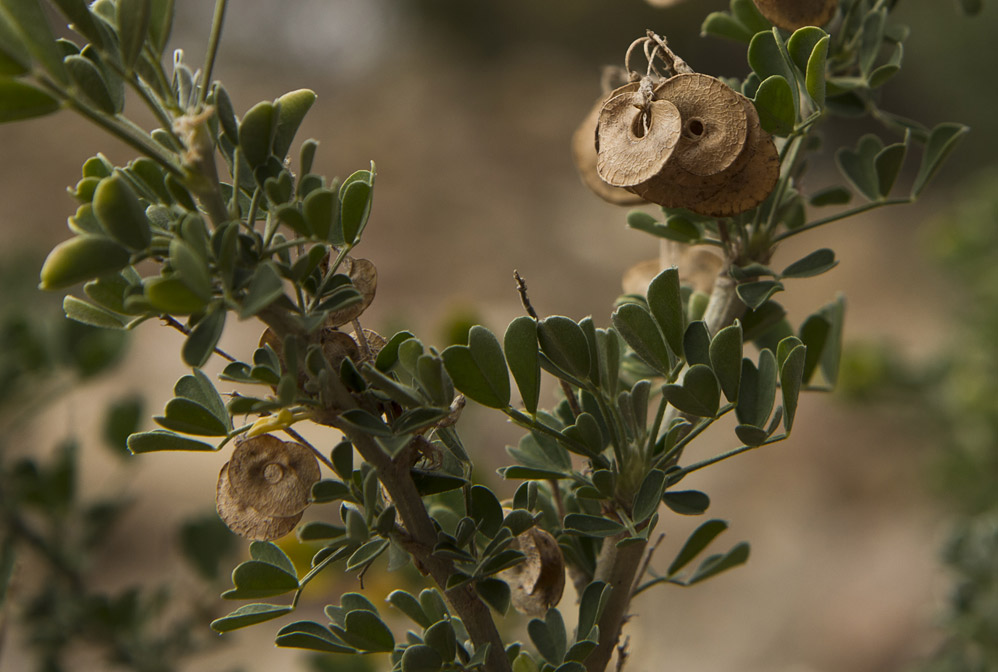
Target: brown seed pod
{"x": 536, "y": 584}
{"x": 698, "y": 267}
{"x": 243, "y": 519}
{"x": 337, "y": 346}
{"x": 751, "y": 185}
{"x": 714, "y": 126}
{"x": 633, "y": 141}
{"x": 584, "y": 155}
{"x": 272, "y": 476}
{"x": 794, "y": 14}
{"x": 375, "y": 342}
{"x": 364, "y": 276}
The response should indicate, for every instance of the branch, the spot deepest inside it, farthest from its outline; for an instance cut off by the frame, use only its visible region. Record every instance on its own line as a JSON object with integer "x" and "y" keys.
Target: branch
{"x": 395, "y": 476}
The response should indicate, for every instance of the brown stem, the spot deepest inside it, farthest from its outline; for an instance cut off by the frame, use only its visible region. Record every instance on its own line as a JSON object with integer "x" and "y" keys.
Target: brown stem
{"x": 395, "y": 476}
{"x": 619, "y": 567}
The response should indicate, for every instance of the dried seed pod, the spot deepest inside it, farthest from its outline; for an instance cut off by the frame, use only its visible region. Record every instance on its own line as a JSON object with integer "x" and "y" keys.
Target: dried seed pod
{"x": 337, "y": 346}
{"x": 243, "y": 519}
{"x": 372, "y": 344}
{"x": 272, "y": 476}
{"x": 584, "y": 155}
{"x": 698, "y": 267}
{"x": 750, "y": 186}
{"x": 536, "y": 584}
{"x": 634, "y": 142}
{"x": 364, "y": 276}
{"x": 794, "y": 14}
{"x": 714, "y": 126}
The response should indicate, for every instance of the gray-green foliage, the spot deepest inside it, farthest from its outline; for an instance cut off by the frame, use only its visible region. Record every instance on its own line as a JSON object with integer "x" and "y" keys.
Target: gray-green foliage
{"x": 165, "y": 236}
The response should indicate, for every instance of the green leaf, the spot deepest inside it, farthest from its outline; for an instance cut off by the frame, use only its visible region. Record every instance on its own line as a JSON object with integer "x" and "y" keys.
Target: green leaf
{"x": 20, "y": 101}
{"x": 832, "y": 353}
{"x": 160, "y": 24}
{"x": 14, "y": 57}
{"x": 265, "y": 287}
{"x": 791, "y": 378}
{"x": 666, "y": 304}
{"x": 191, "y": 268}
{"x": 256, "y": 133}
{"x": 27, "y": 19}
{"x": 592, "y": 526}
{"x": 311, "y": 635}
{"x": 687, "y": 502}
{"x": 189, "y": 417}
{"x": 814, "y": 78}
{"x": 410, "y": 606}
{"x": 292, "y": 108}
{"x": 697, "y": 541}
{"x": 751, "y": 435}
{"x": 831, "y": 196}
{"x": 722, "y": 24}
{"x": 365, "y": 422}
{"x": 942, "y": 140}
{"x": 814, "y": 333}
{"x": 774, "y": 100}
{"x": 757, "y": 394}
{"x": 726, "y": 359}
{"x": 888, "y": 164}
{"x": 591, "y": 606}
{"x": 87, "y": 313}
{"x": 857, "y": 166}
{"x": 749, "y": 16}
{"x": 249, "y": 614}
{"x": 479, "y": 368}
{"x": 716, "y": 564}
{"x": 485, "y": 510}
{"x": 319, "y": 210}
{"x": 199, "y": 388}
{"x": 272, "y": 554}
{"x": 159, "y": 439}
{"x": 801, "y": 44}
{"x": 520, "y": 345}
{"x": 316, "y": 530}
{"x": 754, "y": 294}
{"x": 813, "y": 264}
{"x": 366, "y": 553}
{"x": 256, "y": 578}
{"x": 441, "y": 637}
{"x": 88, "y": 78}
{"x": 201, "y": 342}
{"x": 121, "y": 420}
{"x": 421, "y": 658}
{"x": 696, "y": 343}
{"x": 637, "y": 327}
{"x": 172, "y": 295}
{"x": 871, "y": 38}
{"x": 355, "y": 208}
{"x": 82, "y": 258}
{"x": 132, "y": 18}
{"x": 648, "y": 496}
{"x": 565, "y": 344}
{"x": 699, "y": 394}
{"x": 495, "y": 593}
{"x": 366, "y": 631}
{"x": 548, "y": 638}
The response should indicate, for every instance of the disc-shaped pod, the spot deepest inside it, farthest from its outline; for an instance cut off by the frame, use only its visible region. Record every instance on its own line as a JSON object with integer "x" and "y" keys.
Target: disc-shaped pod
{"x": 272, "y": 476}
{"x": 245, "y": 520}
{"x": 584, "y": 155}
{"x": 635, "y": 138}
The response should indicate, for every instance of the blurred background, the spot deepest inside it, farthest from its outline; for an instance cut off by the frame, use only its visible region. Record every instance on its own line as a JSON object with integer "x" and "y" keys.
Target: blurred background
{"x": 467, "y": 108}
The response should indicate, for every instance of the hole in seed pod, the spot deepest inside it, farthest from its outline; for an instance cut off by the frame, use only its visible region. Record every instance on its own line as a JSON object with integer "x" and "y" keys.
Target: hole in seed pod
{"x": 695, "y": 128}
{"x": 273, "y": 473}
{"x": 641, "y": 123}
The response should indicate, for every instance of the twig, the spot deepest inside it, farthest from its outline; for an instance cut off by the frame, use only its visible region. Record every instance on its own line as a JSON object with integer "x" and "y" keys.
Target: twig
{"x": 622, "y": 654}
{"x": 521, "y": 287}
{"x": 169, "y": 321}
{"x": 647, "y": 562}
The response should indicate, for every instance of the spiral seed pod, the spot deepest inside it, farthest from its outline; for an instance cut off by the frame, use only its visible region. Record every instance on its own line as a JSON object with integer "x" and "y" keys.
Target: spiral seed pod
{"x": 537, "y": 583}
{"x": 264, "y": 488}
{"x": 634, "y": 141}
{"x": 584, "y": 155}
{"x": 794, "y": 14}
